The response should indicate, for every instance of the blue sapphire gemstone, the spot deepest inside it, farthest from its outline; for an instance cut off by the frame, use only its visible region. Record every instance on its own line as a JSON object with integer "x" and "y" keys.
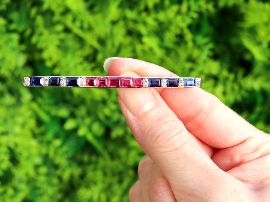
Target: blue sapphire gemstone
{"x": 189, "y": 82}
{"x": 154, "y": 82}
{"x": 72, "y": 81}
{"x": 35, "y": 81}
{"x": 172, "y": 82}
{"x": 54, "y": 81}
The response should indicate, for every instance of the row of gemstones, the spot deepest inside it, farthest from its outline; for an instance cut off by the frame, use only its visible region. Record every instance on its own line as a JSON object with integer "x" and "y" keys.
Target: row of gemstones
{"x": 111, "y": 82}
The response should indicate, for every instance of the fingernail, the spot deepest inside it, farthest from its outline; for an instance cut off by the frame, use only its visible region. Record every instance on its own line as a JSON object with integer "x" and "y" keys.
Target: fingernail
{"x": 138, "y": 101}
{"x": 107, "y": 63}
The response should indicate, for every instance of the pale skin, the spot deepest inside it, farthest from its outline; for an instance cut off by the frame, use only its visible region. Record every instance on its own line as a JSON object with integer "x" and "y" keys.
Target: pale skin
{"x": 197, "y": 149}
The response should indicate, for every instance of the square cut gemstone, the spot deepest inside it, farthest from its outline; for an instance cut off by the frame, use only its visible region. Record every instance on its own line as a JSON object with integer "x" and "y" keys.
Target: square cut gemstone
{"x": 172, "y": 82}
{"x": 137, "y": 82}
{"x": 90, "y": 81}
{"x": 125, "y": 82}
{"x": 54, "y": 81}
{"x": 100, "y": 82}
{"x": 198, "y": 82}
{"x": 72, "y": 81}
{"x": 35, "y": 81}
{"x": 189, "y": 82}
{"x": 112, "y": 82}
{"x": 154, "y": 82}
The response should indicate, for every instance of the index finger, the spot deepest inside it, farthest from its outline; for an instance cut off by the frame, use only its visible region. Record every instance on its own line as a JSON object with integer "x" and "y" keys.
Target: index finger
{"x": 202, "y": 113}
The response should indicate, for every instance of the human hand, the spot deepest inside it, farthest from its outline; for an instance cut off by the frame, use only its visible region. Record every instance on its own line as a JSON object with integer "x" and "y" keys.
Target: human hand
{"x": 197, "y": 148}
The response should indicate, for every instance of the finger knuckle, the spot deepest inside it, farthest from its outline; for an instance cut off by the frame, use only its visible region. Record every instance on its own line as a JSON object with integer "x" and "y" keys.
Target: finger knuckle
{"x": 132, "y": 193}
{"x": 227, "y": 190}
{"x": 158, "y": 188}
{"x": 161, "y": 129}
{"x": 149, "y": 109}
{"x": 144, "y": 164}
{"x": 199, "y": 116}
{"x": 165, "y": 134}
{"x": 251, "y": 149}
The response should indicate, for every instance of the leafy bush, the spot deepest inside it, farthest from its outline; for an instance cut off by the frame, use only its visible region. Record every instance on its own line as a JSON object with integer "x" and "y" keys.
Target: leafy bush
{"x": 73, "y": 144}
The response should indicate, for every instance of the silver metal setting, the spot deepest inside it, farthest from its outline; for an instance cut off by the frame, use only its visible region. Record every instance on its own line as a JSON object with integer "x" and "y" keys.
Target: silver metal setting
{"x": 198, "y": 82}
{"x": 81, "y": 81}
{"x": 44, "y": 81}
{"x": 164, "y": 82}
{"x": 145, "y": 82}
{"x": 63, "y": 82}
{"x": 181, "y": 82}
{"x": 26, "y": 81}
{"x": 111, "y": 82}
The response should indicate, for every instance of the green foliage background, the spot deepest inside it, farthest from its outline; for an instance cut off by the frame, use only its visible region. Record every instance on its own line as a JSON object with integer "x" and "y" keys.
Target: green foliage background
{"x": 73, "y": 144}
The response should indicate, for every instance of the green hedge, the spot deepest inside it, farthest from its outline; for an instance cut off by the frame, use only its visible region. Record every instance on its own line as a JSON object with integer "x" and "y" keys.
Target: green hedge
{"x": 73, "y": 144}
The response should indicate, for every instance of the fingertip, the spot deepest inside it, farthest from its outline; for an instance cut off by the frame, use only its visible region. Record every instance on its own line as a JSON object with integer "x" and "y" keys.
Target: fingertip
{"x": 108, "y": 63}
{"x": 136, "y": 100}
{"x": 135, "y": 192}
{"x": 115, "y": 66}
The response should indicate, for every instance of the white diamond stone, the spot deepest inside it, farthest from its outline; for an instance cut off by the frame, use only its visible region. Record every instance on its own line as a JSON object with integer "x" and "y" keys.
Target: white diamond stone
{"x": 44, "y": 81}
{"x": 164, "y": 82}
{"x": 181, "y": 82}
{"x": 198, "y": 82}
{"x": 26, "y": 81}
{"x": 96, "y": 82}
{"x": 81, "y": 81}
{"x": 63, "y": 81}
{"x": 145, "y": 82}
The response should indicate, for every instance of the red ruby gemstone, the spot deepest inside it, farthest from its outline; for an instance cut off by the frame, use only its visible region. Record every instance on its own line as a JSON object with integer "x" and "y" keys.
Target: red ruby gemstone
{"x": 125, "y": 82}
{"x": 100, "y": 82}
{"x": 90, "y": 81}
{"x": 137, "y": 82}
{"x": 112, "y": 82}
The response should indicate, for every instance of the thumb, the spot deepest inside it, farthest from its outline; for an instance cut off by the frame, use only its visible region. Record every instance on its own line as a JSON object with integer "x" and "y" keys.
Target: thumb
{"x": 164, "y": 137}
